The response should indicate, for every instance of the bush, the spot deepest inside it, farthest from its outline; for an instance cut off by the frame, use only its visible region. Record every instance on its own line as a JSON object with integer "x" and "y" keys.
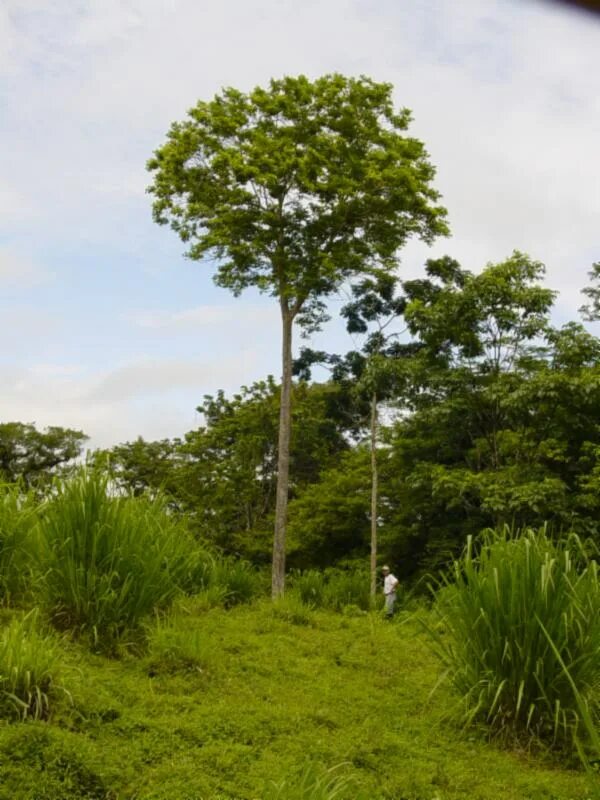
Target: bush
{"x": 29, "y": 670}
{"x": 521, "y": 622}
{"x": 17, "y": 518}
{"x": 109, "y": 561}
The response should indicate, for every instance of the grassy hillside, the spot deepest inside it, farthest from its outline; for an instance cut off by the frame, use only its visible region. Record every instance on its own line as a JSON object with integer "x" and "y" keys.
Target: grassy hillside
{"x": 251, "y": 703}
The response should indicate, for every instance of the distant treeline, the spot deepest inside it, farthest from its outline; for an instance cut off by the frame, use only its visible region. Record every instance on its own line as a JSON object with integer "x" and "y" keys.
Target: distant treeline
{"x": 492, "y": 417}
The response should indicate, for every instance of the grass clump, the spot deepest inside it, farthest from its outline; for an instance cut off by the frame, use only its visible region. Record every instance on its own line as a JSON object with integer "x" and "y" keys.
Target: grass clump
{"x": 315, "y": 784}
{"x": 107, "y": 560}
{"x": 521, "y": 635}
{"x": 173, "y": 648}
{"x": 334, "y": 589}
{"x": 290, "y": 608}
{"x": 237, "y": 580}
{"x": 310, "y": 586}
{"x": 30, "y": 664}
{"x": 17, "y": 519}
{"x": 41, "y": 762}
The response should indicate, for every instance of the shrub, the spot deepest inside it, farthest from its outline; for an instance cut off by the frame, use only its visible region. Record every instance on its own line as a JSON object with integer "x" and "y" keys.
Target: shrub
{"x": 108, "y": 561}
{"x": 17, "y": 518}
{"x": 29, "y": 670}
{"x": 522, "y": 634}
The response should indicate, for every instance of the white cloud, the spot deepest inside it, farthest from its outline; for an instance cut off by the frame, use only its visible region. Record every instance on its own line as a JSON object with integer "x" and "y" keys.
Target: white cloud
{"x": 18, "y": 270}
{"x": 232, "y": 317}
{"x": 152, "y": 398}
{"x": 159, "y": 377}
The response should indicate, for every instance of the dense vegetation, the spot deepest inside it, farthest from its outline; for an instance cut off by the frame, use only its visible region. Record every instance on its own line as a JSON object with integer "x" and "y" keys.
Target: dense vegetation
{"x": 136, "y": 662}
{"x": 459, "y": 442}
{"x": 490, "y": 417}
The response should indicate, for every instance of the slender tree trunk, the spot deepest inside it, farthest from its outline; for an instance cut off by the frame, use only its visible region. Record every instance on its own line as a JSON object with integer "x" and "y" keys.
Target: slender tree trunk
{"x": 283, "y": 460}
{"x": 374, "y": 491}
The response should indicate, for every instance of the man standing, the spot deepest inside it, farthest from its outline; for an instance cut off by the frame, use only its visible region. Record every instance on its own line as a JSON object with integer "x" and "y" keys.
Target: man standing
{"x": 390, "y": 584}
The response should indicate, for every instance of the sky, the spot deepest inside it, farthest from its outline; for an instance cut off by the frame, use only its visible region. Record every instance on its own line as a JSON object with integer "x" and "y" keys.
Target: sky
{"x": 107, "y": 328}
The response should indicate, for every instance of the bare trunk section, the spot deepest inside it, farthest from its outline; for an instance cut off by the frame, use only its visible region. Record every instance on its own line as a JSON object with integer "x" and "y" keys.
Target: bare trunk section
{"x": 283, "y": 460}
{"x": 374, "y": 492}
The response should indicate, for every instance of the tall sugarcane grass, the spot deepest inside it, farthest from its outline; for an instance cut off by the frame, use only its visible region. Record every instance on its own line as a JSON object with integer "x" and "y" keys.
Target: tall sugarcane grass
{"x": 108, "y": 561}
{"x": 17, "y": 520}
{"x": 521, "y": 635}
{"x": 30, "y": 666}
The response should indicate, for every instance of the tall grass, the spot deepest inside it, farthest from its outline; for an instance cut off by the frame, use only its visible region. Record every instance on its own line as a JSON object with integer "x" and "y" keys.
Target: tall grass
{"x": 335, "y": 589}
{"x": 238, "y": 580}
{"x": 347, "y": 588}
{"x": 521, "y": 616}
{"x": 310, "y": 586}
{"x": 316, "y": 784}
{"x": 108, "y": 561}
{"x": 17, "y": 519}
{"x": 174, "y": 646}
{"x": 29, "y": 670}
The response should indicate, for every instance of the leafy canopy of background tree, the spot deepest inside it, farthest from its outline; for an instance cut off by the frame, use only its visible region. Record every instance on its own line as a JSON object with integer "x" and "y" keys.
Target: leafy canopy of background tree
{"x": 223, "y": 474}
{"x": 33, "y": 456}
{"x": 294, "y": 189}
{"x": 505, "y": 420}
{"x": 500, "y": 423}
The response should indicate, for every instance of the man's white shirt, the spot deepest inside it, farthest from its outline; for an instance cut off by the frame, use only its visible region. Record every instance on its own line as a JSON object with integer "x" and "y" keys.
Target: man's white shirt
{"x": 389, "y": 584}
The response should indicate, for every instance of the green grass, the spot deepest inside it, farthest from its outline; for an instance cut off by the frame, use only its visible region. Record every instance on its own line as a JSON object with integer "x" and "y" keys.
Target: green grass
{"x": 30, "y": 670}
{"x": 521, "y": 617}
{"x": 287, "y": 702}
{"x": 335, "y": 589}
{"x": 107, "y": 561}
{"x": 18, "y": 515}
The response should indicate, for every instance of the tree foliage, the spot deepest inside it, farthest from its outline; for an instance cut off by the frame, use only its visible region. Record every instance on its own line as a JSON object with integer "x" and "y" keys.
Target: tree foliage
{"x": 34, "y": 456}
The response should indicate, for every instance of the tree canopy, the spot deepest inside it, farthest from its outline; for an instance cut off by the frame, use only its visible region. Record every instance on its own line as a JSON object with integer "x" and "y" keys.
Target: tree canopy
{"x": 33, "y": 456}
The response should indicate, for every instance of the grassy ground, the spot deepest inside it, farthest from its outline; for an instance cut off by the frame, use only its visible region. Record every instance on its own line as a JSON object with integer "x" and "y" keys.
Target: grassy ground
{"x": 229, "y": 704}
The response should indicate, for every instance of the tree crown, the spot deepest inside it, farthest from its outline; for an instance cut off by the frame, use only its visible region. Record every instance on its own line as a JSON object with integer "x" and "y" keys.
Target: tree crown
{"x": 296, "y": 187}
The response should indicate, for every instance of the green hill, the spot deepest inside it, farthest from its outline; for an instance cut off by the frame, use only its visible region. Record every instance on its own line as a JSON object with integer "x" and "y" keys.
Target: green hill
{"x": 252, "y": 702}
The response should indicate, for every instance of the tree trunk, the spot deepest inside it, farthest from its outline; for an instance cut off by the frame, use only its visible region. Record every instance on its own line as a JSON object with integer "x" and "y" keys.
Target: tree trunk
{"x": 374, "y": 491}
{"x": 283, "y": 460}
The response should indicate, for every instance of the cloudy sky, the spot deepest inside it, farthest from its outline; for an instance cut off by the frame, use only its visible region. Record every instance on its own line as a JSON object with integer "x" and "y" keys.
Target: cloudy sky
{"x": 106, "y": 327}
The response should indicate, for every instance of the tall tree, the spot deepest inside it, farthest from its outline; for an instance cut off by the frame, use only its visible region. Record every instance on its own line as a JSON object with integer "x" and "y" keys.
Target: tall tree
{"x": 295, "y": 188}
